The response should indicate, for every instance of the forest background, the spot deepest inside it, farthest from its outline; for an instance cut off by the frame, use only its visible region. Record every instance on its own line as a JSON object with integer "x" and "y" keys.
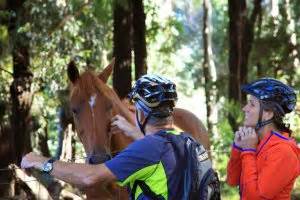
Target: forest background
{"x": 209, "y": 48}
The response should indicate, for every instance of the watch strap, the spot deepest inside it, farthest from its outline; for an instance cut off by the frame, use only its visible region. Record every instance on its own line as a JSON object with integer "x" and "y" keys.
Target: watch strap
{"x": 51, "y": 160}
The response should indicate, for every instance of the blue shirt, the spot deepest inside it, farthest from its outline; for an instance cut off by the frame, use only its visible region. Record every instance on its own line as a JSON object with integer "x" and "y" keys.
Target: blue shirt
{"x": 153, "y": 160}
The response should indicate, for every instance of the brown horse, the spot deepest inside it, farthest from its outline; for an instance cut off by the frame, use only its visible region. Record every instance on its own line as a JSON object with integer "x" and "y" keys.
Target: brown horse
{"x": 93, "y": 104}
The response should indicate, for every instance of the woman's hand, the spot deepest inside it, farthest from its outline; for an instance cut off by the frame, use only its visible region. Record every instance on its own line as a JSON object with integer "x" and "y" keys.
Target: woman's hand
{"x": 120, "y": 125}
{"x": 246, "y": 138}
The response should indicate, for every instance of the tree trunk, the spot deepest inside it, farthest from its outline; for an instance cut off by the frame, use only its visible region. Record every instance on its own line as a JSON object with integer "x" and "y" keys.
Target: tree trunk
{"x": 209, "y": 69}
{"x": 122, "y": 47}
{"x": 236, "y": 10}
{"x": 139, "y": 38}
{"x": 292, "y": 43}
{"x": 248, "y": 38}
{"x": 259, "y": 70}
{"x": 42, "y": 142}
{"x": 6, "y": 151}
{"x": 241, "y": 36}
{"x": 65, "y": 119}
{"x": 68, "y": 147}
{"x": 21, "y": 96}
{"x": 20, "y": 88}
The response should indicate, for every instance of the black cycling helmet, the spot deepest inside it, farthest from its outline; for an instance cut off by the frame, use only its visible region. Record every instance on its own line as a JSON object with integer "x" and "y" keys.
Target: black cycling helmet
{"x": 277, "y": 95}
{"x": 155, "y": 96}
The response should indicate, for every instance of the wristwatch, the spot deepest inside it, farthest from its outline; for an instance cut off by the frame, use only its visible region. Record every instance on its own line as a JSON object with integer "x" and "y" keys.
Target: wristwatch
{"x": 48, "y": 165}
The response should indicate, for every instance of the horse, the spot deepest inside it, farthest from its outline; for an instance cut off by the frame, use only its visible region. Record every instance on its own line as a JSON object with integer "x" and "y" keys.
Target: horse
{"x": 93, "y": 104}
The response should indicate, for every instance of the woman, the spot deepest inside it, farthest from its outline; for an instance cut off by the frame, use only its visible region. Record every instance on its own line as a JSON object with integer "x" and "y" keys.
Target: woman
{"x": 264, "y": 160}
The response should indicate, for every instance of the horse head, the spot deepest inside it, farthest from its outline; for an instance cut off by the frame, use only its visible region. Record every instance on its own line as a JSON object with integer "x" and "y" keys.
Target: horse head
{"x": 93, "y": 104}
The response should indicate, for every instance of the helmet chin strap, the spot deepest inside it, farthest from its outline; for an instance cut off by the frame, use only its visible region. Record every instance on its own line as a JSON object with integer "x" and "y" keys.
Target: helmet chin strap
{"x": 142, "y": 125}
{"x": 261, "y": 123}
{"x": 147, "y": 113}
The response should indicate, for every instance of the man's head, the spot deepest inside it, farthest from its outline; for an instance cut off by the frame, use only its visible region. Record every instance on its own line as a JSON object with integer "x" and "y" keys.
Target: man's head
{"x": 269, "y": 101}
{"x": 154, "y": 98}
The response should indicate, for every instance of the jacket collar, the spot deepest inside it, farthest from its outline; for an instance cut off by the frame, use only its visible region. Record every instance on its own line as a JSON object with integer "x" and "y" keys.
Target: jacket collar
{"x": 272, "y": 136}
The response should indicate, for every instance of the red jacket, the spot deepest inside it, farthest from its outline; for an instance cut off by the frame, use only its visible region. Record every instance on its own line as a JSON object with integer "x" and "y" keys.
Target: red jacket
{"x": 268, "y": 173}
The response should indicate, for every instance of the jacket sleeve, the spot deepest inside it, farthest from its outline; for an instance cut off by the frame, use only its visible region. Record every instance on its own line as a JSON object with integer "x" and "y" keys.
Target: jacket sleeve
{"x": 279, "y": 168}
{"x": 234, "y": 166}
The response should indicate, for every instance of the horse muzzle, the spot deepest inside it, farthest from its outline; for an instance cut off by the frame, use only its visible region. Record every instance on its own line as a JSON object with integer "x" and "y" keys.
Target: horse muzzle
{"x": 95, "y": 159}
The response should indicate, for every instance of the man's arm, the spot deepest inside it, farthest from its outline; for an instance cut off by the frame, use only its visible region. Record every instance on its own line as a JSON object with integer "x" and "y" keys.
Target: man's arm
{"x": 82, "y": 175}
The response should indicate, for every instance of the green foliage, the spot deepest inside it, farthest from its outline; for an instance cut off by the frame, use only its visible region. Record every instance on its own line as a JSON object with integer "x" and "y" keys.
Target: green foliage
{"x": 5, "y": 76}
{"x": 190, "y": 14}
{"x": 276, "y": 60}
{"x": 59, "y": 31}
{"x": 221, "y": 144}
{"x": 293, "y": 119}
{"x": 166, "y": 36}
{"x": 223, "y": 140}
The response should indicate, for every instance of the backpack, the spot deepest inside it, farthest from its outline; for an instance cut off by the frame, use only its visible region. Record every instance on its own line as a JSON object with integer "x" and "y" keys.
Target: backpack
{"x": 200, "y": 180}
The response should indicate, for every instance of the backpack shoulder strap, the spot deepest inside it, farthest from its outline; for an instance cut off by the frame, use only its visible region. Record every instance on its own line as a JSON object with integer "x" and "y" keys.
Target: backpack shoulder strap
{"x": 177, "y": 142}
{"x": 146, "y": 190}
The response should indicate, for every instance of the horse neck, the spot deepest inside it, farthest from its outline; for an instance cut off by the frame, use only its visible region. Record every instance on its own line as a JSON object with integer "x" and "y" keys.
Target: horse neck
{"x": 120, "y": 141}
{"x": 120, "y": 108}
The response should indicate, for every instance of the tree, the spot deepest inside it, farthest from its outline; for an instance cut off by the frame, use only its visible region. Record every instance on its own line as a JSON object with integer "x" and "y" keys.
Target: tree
{"x": 20, "y": 91}
{"x": 209, "y": 69}
{"x": 129, "y": 39}
{"x": 20, "y": 88}
{"x": 122, "y": 47}
{"x": 139, "y": 38}
{"x": 241, "y": 36}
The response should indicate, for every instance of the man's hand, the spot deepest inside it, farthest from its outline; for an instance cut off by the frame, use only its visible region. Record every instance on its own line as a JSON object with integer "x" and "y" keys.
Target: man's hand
{"x": 33, "y": 160}
{"x": 246, "y": 138}
{"x": 120, "y": 125}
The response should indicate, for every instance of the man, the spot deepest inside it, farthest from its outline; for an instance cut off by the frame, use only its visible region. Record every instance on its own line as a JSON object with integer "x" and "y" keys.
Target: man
{"x": 149, "y": 166}
{"x": 265, "y": 160}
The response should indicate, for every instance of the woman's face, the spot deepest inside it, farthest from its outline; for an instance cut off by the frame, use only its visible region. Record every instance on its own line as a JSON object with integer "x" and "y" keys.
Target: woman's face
{"x": 251, "y": 110}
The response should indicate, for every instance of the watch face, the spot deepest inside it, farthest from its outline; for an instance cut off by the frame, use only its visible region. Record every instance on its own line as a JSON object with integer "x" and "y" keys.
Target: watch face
{"x": 47, "y": 167}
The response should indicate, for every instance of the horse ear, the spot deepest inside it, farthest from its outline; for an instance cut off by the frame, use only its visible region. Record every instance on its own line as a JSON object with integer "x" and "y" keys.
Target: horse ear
{"x": 104, "y": 75}
{"x": 73, "y": 72}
